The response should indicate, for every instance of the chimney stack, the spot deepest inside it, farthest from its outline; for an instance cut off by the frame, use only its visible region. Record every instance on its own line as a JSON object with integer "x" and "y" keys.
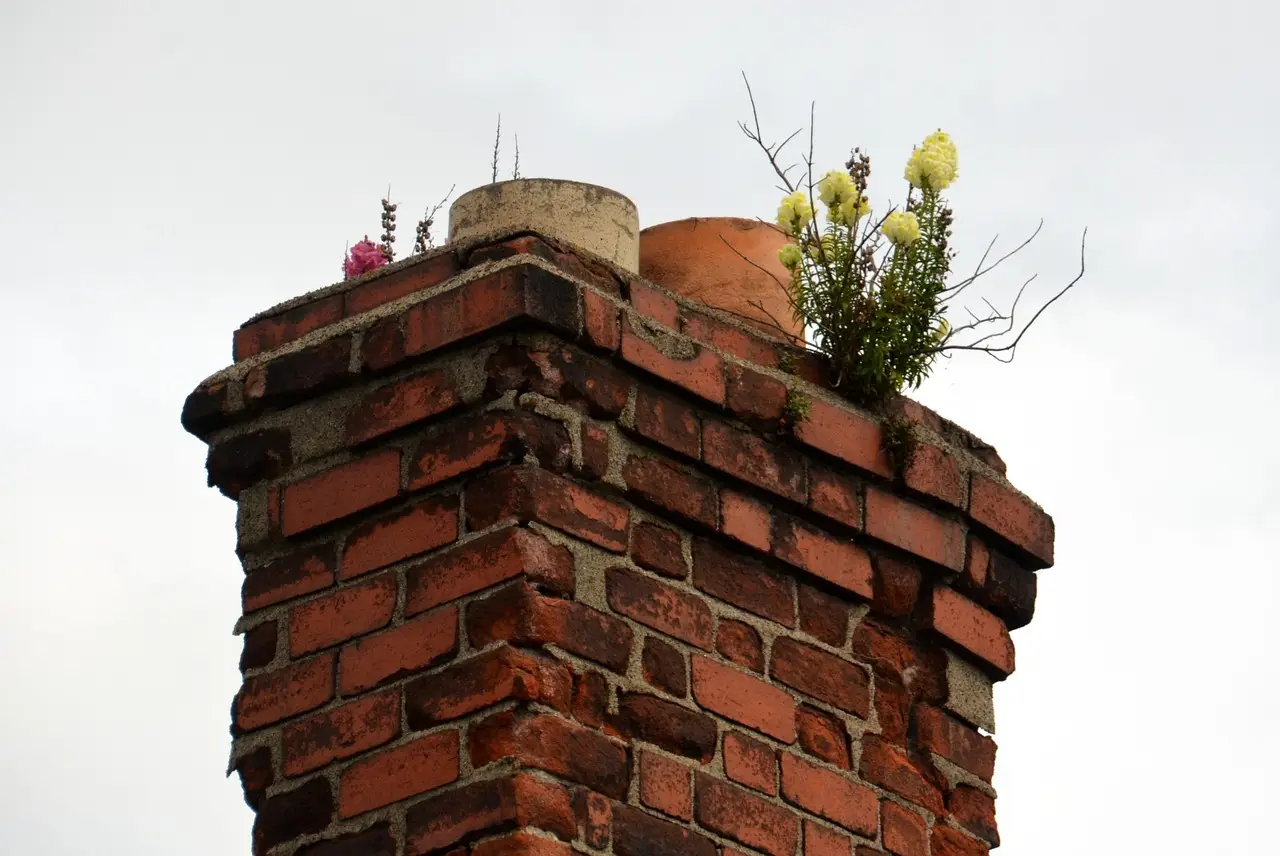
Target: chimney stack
{"x": 540, "y": 558}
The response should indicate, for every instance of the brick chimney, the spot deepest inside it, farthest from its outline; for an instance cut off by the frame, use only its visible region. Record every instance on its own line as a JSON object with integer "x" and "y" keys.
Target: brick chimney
{"x": 536, "y": 562}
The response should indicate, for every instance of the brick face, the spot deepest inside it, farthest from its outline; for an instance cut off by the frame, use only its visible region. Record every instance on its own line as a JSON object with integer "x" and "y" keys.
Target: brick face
{"x": 535, "y": 569}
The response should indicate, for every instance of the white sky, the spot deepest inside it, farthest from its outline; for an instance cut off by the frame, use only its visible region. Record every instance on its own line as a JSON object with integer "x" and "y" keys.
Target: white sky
{"x": 167, "y": 169}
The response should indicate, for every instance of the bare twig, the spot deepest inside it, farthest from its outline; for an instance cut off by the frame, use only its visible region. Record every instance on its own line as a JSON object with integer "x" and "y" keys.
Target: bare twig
{"x": 515, "y": 170}
{"x": 497, "y": 140}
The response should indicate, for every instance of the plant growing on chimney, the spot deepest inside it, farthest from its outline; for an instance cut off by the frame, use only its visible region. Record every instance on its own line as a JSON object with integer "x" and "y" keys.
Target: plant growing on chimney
{"x": 873, "y": 291}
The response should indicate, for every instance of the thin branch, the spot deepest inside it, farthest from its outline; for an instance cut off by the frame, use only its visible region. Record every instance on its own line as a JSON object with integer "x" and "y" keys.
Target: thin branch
{"x": 515, "y": 171}
{"x": 496, "y": 141}
{"x": 955, "y": 289}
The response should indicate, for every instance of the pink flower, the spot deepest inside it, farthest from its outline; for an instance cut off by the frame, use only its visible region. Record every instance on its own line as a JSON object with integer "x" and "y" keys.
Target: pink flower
{"x": 364, "y": 257}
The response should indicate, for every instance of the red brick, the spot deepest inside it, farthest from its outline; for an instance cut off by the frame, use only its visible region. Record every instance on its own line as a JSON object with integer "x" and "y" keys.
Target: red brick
{"x": 893, "y": 709}
{"x": 975, "y": 811}
{"x": 897, "y": 587}
{"x": 552, "y": 744}
{"x": 948, "y": 737}
{"x": 412, "y": 399}
{"x": 889, "y": 767}
{"x": 935, "y": 472}
{"x": 259, "y": 646}
{"x": 658, "y": 549}
{"x": 411, "y": 647}
{"x": 745, "y": 699}
{"x": 905, "y": 833}
{"x": 341, "y": 491}
{"x": 917, "y": 530}
{"x": 206, "y": 409}
{"x": 747, "y": 456}
{"x": 846, "y": 435}
{"x": 728, "y": 338}
{"x": 666, "y": 724}
{"x": 824, "y": 616}
{"x": 834, "y": 560}
{"x": 666, "y": 486}
{"x": 654, "y": 304}
{"x": 835, "y": 495}
{"x": 305, "y": 810}
{"x": 830, "y": 795}
{"x": 755, "y": 397}
{"x": 301, "y": 374}
{"x": 600, "y": 321}
{"x": 577, "y": 379}
{"x": 521, "y": 844}
{"x": 520, "y": 615}
{"x": 375, "y": 841}
{"x": 483, "y": 439}
{"x": 744, "y": 519}
{"x": 485, "y": 680}
{"x": 977, "y": 562}
{"x": 596, "y": 818}
{"x": 301, "y": 572}
{"x": 528, "y": 493}
{"x": 242, "y": 461}
{"x": 660, "y": 606}
{"x": 636, "y": 833}
{"x": 488, "y": 806}
{"x": 590, "y": 698}
{"x": 740, "y": 643}
{"x": 595, "y": 451}
{"x": 823, "y": 736}
{"x": 399, "y": 773}
{"x": 972, "y": 628}
{"x": 946, "y": 841}
{"x": 666, "y": 785}
{"x": 702, "y": 373}
{"x": 382, "y": 345}
{"x": 663, "y": 667}
{"x": 340, "y": 733}
{"x": 823, "y": 676}
{"x": 891, "y": 654}
{"x": 271, "y": 697}
{"x": 345, "y": 614}
{"x": 1012, "y": 517}
{"x": 821, "y": 841}
{"x": 428, "y": 273}
{"x": 667, "y": 421}
{"x": 751, "y": 763}
{"x": 486, "y": 561}
{"x": 745, "y": 818}
{"x": 1010, "y": 591}
{"x": 744, "y": 583}
{"x": 270, "y": 333}
{"x": 420, "y": 527}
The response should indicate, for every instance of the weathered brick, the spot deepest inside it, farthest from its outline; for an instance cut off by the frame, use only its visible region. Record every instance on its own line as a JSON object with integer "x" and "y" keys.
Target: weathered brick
{"x": 744, "y": 583}
{"x": 301, "y": 374}
{"x": 1010, "y": 591}
{"x": 663, "y": 667}
{"x": 754, "y": 397}
{"x": 412, "y": 646}
{"x": 662, "y": 484}
{"x": 482, "y": 439}
{"x": 702, "y": 373}
{"x": 379, "y": 290}
{"x": 892, "y": 654}
{"x": 484, "y": 680}
{"x": 666, "y": 785}
{"x": 344, "y": 490}
{"x": 382, "y": 346}
{"x": 823, "y": 736}
{"x": 935, "y": 471}
{"x": 590, "y": 698}
{"x": 347, "y": 613}
{"x": 740, "y": 643}
{"x": 520, "y": 844}
{"x": 749, "y": 457}
{"x": 555, "y": 745}
{"x": 905, "y": 833}
{"x": 975, "y": 811}
{"x": 823, "y": 676}
{"x": 744, "y": 519}
{"x": 269, "y": 333}
{"x": 243, "y": 461}
{"x": 821, "y": 841}
{"x": 667, "y": 421}
{"x": 638, "y": 834}
{"x": 973, "y": 628}
{"x": 404, "y": 402}
{"x": 419, "y": 528}
{"x": 528, "y": 493}
{"x": 571, "y": 376}
{"x": 1012, "y": 517}
{"x": 340, "y": 733}
{"x": 824, "y": 616}
{"x": 661, "y": 607}
{"x": 727, "y": 338}
{"x": 486, "y": 561}
{"x": 305, "y": 810}
{"x": 658, "y": 549}
{"x": 273, "y": 696}
{"x": 897, "y": 586}
{"x": 948, "y": 737}
{"x": 374, "y": 841}
{"x": 595, "y": 818}
{"x": 889, "y": 767}
{"x": 394, "y": 774}
{"x": 829, "y": 795}
{"x": 844, "y": 434}
{"x": 654, "y": 304}
{"x": 259, "y": 646}
{"x": 485, "y": 808}
{"x": 750, "y": 762}
{"x": 834, "y": 560}
{"x": 206, "y": 409}
{"x": 595, "y": 451}
{"x": 835, "y": 495}
{"x": 600, "y": 321}
{"x": 946, "y": 841}
{"x": 257, "y": 774}
{"x": 520, "y": 615}
{"x": 893, "y": 709}
{"x": 917, "y": 530}
{"x": 748, "y": 819}
{"x": 663, "y": 723}
{"x": 744, "y": 699}
{"x": 977, "y": 562}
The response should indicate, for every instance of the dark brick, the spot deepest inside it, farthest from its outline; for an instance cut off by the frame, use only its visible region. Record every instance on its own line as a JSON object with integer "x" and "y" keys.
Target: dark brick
{"x": 636, "y": 833}
{"x": 667, "y": 421}
{"x": 376, "y": 841}
{"x": 206, "y": 409}
{"x": 257, "y": 773}
{"x": 740, "y": 643}
{"x": 269, "y": 333}
{"x": 664, "y": 667}
{"x": 658, "y": 549}
{"x": 301, "y": 374}
{"x": 302, "y": 811}
{"x": 259, "y": 646}
{"x": 824, "y": 676}
{"x": 664, "y": 485}
{"x": 243, "y": 461}
{"x": 744, "y": 583}
{"x": 749, "y": 457}
{"x": 666, "y": 724}
{"x": 824, "y": 616}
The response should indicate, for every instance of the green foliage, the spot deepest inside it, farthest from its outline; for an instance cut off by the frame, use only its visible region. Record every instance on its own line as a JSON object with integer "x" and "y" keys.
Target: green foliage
{"x": 796, "y": 409}
{"x": 898, "y": 443}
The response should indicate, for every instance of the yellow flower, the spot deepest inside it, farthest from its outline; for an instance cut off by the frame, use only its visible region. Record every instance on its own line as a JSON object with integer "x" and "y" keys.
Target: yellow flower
{"x": 943, "y": 330}
{"x": 852, "y": 207}
{"x": 902, "y": 228}
{"x": 835, "y": 187}
{"x": 794, "y": 213}
{"x": 935, "y": 164}
{"x": 790, "y": 256}
{"x": 828, "y": 251}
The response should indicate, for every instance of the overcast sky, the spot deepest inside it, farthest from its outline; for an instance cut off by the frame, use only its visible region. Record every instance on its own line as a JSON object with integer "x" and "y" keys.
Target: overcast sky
{"x": 168, "y": 169}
